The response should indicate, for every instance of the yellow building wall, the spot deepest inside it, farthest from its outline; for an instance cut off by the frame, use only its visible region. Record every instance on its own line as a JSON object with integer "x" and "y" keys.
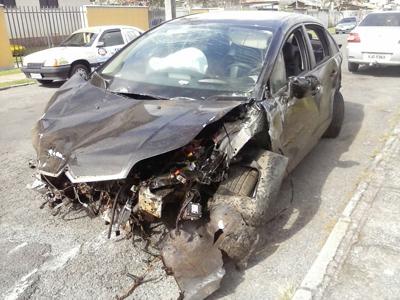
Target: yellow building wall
{"x": 199, "y": 10}
{"x": 107, "y": 15}
{"x": 6, "y": 59}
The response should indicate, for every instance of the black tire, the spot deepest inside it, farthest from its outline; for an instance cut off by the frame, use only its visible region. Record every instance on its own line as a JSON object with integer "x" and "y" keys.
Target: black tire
{"x": 241, "y": 181}
{"x": 337, "y": 117}
{"x": 44, "y": 81}
{"x": 81, "y": 69}
{"x": 353, "y": 67}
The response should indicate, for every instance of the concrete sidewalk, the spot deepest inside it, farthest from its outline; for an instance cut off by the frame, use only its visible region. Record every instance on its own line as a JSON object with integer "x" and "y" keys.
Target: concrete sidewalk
{"x": 371, "y": 268}
{"x": 361, "y": 258}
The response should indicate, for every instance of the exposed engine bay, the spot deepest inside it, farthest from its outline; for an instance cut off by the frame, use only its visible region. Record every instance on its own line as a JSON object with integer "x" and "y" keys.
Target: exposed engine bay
{"x": 211, "y": 193}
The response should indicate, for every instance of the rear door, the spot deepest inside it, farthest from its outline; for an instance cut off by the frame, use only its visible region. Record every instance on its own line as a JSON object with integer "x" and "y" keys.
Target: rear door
{"x": 326, "y": 63}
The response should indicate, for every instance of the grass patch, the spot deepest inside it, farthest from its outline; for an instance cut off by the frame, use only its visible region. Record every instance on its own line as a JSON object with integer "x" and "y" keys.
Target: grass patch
{"x": 10, "y": 72}
{"x": 286, "y": 292}
{"x": 15, "y": 82}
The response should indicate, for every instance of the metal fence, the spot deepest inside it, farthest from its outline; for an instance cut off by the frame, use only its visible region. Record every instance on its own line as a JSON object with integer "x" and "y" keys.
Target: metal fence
{"x": 33, "y": 28}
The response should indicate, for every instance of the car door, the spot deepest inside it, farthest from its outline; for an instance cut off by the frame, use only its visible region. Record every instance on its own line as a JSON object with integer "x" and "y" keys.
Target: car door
{"x": 326, "y": 63}
{"x": 295, "y": 120}
{"x": 110, "y": 42}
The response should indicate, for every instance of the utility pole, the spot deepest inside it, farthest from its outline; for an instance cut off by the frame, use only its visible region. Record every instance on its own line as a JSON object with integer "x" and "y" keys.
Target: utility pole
{"x": 170, "y": 9}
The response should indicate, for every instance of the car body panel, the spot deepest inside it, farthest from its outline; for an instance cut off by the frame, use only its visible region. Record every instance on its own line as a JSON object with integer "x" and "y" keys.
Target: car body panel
{"x": 87, "y": 125}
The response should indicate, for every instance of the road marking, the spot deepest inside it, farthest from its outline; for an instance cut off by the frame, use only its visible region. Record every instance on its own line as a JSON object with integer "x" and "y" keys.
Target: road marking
{"x": 60, "y": 260}
{"x": 17, "y": 247}
{"x": 21, "y": 286}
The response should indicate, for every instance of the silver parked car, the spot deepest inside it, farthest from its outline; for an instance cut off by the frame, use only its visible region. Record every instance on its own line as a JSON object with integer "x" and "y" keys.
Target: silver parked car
{"x": 346, "y": 25}
{"x": 375, "y": 41}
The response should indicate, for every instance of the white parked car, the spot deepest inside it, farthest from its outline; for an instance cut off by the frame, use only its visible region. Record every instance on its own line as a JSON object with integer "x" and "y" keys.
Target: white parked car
{"x": 81, "y": 52}
{"x": 375, "y": 41}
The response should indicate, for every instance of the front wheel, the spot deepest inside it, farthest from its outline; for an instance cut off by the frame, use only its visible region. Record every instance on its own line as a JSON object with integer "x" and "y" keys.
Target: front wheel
{"x": 80, "y": 69}
{"x": 353, "y": 67}
{"x": 337, "y": 117}
{"x": 241, "y": 181}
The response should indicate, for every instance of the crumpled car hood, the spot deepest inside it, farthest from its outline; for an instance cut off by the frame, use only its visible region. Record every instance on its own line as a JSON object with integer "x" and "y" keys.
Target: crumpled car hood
{"x": 97, "y": 135}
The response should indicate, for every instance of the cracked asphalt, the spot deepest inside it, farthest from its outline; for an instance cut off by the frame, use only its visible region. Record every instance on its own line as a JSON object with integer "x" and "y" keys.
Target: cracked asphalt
{"x": 68, "y": 256}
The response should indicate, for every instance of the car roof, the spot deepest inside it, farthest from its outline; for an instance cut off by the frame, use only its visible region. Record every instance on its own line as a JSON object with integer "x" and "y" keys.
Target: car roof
{"x": 385, "y": 12}
{"x": 98, "y": 29}
{"x": 271, "y": 19}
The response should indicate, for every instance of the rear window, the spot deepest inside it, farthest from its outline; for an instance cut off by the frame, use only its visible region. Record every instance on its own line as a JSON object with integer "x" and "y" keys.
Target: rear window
{"x": 348, "y": 20}
{"x": 386, "y": 19}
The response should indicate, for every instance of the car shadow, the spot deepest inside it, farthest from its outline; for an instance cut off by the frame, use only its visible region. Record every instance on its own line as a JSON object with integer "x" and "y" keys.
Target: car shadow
{"x": 300, "y": 196}
{"x": 379, "y": 71}
{"x": 52, "y": 85}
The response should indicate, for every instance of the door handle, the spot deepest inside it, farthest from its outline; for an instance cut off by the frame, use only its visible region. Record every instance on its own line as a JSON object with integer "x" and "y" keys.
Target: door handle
{"x": 334, "y": 73}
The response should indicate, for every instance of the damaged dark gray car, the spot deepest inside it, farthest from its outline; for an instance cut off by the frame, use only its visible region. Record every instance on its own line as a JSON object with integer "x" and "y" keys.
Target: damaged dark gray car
{"x": 193, "y": 124}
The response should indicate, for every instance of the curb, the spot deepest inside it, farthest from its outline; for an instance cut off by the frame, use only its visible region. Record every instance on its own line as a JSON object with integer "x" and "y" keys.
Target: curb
{"x": 339, "y": 242}
{"x": 16, "y": 85}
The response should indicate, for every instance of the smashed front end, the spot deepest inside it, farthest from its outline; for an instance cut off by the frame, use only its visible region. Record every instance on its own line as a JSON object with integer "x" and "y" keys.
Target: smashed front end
{"x": 136, "y": 162}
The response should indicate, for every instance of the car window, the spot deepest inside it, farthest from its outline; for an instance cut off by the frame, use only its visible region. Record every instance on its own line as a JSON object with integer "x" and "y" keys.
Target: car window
{"x": 294, "y": 54}
{"x": 131, "y": 34}
{"x": 291, "y": 61}
{"x": 385, "y": 19}
{"x": 112, "y": 38}
{"x": 200, "y": 58}
{"x": 79, "y": 39}
{"x": 348, "y": 20}
{"x": 278, "y": 77}
{"x": 319, "y": 42}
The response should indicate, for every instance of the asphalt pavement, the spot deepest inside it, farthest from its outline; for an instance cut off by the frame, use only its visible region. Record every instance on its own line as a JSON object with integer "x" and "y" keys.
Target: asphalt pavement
{"x": 68, "y": 256}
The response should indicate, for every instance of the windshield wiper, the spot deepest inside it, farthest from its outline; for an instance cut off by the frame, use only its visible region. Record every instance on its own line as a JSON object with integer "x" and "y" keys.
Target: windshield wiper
{"x": 227, "y": 97}
{"x": 139, "y": 96}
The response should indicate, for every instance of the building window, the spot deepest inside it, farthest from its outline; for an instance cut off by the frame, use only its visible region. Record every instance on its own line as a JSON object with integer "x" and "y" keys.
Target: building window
{"x": 8, "y": 3}
{"x": 48, "y": 3}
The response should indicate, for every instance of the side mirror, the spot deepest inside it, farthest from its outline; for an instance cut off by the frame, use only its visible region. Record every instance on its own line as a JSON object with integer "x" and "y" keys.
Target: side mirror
{"x": 100, "y": 44}
{"x": 300, "y": 86}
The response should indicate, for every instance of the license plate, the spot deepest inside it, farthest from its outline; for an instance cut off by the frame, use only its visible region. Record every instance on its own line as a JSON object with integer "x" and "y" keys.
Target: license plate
{"x": 377, "y": 56}
{"x": 36, "y": 76}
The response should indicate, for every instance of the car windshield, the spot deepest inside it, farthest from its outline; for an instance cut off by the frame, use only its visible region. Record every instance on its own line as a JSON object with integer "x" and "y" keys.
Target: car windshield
{"x": 347, "y": 20}
{"x": 80, "y": 39}
{"x": 383, "y": 19}
{"x": 196, "y": 60}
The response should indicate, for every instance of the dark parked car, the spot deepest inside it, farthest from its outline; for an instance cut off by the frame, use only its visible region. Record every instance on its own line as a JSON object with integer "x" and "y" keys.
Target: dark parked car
{"x": 195, "y": 124}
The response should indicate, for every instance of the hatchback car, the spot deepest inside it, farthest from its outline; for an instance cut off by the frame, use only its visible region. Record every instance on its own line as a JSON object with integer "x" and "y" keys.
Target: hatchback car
{"x": 82, "y": 51}
{"x": 375, "y": 41}
{"x": 345, "y": 25}
{"x": 193, "y": 124}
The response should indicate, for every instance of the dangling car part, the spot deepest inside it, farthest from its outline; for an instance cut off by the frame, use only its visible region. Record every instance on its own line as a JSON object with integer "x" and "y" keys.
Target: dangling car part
{"x": 194, "y": 124}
